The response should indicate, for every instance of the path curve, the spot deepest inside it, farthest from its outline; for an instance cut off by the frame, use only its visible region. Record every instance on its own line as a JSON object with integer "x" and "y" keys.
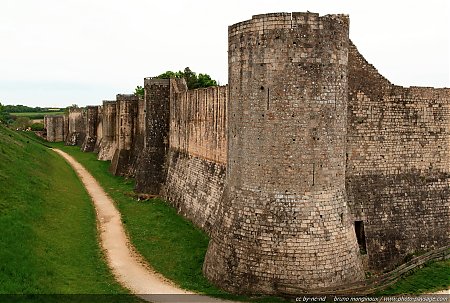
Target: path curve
{"x": 125, "y": 263}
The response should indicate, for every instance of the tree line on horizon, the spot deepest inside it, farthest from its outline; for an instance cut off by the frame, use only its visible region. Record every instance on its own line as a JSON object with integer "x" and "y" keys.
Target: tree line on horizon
{"x": 25, "y": 109}
{"x": 9, "y": 116}
{"x": 4, "y": 116}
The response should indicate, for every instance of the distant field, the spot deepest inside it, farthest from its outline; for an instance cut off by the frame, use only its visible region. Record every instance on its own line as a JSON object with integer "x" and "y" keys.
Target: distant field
{"x": 36, "y": 115}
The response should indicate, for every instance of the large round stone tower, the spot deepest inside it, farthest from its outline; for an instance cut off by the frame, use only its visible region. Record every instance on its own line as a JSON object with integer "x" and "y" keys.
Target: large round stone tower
{"x": 284, "y": 220}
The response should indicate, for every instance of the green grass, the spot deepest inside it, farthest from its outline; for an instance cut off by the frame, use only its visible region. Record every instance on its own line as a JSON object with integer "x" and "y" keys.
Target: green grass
{"x": 176, "y": 248}
{"x": 171, "y": 244}
{"x": 36, "y": 115}
{"x": 434, "y": 276}
{"x": 48, "y": 234}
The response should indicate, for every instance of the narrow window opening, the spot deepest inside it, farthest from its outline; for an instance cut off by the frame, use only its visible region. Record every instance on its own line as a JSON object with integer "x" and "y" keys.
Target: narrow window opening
{"x": 361, "y": 237}
{"x": 268, "y": 98}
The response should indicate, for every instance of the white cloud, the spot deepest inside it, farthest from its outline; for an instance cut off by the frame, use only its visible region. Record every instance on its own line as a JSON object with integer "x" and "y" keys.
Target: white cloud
{"x": 110, "y": 46}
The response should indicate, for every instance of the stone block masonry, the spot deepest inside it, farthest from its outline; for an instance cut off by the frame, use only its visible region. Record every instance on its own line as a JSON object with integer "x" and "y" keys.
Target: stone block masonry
{"x": 126, "y": 108}
{"x": 398, "y": 180}
{"x": 56, "y": 128}
{"x": 307, "y": 169}
{"x": 91, "y": 125}
{"x": 151, "y": 166}
{"x": 98, "y": 129}
{"x": 284, "y": 219}
{"x": 198, "y": 122}
{"x": 107, "y": 145}
{"x": 77, "y": 126}
{"x": 197, "y": 152}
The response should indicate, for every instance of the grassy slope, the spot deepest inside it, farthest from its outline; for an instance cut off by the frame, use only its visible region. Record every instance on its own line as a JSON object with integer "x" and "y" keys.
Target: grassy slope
{"x": 432, "y": 277}
{"x": 48, "y": 238}
{"x": 155, "y": 228}
{"x": 169, "y": 242}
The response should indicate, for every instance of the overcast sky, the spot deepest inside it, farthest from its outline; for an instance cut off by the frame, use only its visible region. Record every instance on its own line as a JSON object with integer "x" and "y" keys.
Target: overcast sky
{"x": 60, "y": 52}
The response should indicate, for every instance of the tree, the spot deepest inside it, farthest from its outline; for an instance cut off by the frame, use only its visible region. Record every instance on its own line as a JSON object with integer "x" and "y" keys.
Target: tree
{"x": 170, "y": 74}
{"x": 192, "y": 80}
{"x": 22, "y": 123}
{"x": 66, "y": 110}
{"x": 4, "y": 116}
{"x": 205, "y": 80}
{"x": 139, "y": 91}
{"x": 21, "y": 109}
{"x": 25, "y": 109}
{"x": 37, "y": 126}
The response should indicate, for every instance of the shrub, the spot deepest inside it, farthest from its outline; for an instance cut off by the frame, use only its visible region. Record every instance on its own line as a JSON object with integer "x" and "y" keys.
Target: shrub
{"x": 37, "y": 126}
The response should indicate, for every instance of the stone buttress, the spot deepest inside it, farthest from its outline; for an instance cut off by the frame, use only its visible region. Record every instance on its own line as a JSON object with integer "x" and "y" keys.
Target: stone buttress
{"x": 77, "y": 126}
{"x": 126, "y": 110}
{"x": 151, "y": 164}
{"x": 56, "y": 128}
{"x": 108, "y": 142}
{"x": 91, "y": 123}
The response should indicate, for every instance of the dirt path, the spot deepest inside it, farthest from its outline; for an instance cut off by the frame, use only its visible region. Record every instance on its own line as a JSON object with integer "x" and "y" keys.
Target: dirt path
{"x": 127, "y": 265}
{"x": 443, "y": 292}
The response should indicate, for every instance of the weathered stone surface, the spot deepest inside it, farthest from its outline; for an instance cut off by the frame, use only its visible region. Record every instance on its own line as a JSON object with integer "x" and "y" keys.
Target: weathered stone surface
{"x": 151, "y": 165}
{"x": 397, "y": 171}
{"x": 99, "y": 129}
{"x": 91, "y": 124}
{"x": 77, "y": 126}
{"x": 127, "y": 109}
{"x": 107, "y": 145}
{"x": 198, "y": 122}
{"x": 56, "y": 128}
{"x": 197, "y": 152}
{"x": 284, "y": 219}
{"x": 137, "y": 145}
{"x": 194, "y": 187}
